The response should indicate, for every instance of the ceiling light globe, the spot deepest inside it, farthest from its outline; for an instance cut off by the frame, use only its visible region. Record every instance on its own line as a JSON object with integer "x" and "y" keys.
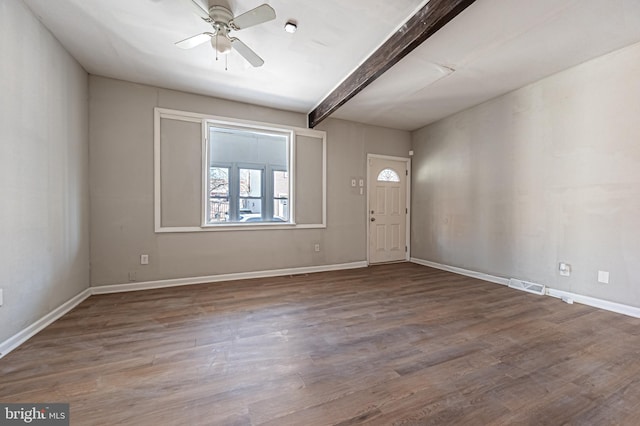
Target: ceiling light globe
{"x": 221, "y": 44}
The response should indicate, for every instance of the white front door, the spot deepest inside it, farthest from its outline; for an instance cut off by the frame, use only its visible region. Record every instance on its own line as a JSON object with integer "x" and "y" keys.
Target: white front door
{"x": 388, "y": 210}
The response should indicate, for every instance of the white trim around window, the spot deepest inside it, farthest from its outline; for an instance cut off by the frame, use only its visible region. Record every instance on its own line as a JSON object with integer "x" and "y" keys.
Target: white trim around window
{"x": 205, "y": 120}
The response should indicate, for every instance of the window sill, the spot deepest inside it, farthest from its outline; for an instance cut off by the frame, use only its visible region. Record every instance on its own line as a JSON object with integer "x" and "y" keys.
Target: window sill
{"x": 239, "y": 227}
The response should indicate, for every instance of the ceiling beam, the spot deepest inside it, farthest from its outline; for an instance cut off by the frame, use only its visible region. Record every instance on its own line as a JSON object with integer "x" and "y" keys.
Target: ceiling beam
{"x": 429, "y": 19}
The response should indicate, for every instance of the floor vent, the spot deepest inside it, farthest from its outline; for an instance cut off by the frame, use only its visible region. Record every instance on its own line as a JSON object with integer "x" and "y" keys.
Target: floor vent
{"x": 526, "y": 286}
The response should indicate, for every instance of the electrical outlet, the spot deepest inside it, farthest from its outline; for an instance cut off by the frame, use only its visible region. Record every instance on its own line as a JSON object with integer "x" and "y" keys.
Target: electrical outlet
{"x": 565, "y": 269}
{"x": 361, "y": 183}
{"x": 316, "y": 247}
{"x": 603, "y": 277}
{"x": 353, "y": 183}
{"x": 144, "y": 259}
{"x": 132, "y": 277}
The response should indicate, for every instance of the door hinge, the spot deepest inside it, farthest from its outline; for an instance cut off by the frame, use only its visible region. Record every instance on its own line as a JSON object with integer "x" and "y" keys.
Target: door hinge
{"x": 406, "y": 210}
{"x": 406, "y": 172}
{"x": 405, "y": 249}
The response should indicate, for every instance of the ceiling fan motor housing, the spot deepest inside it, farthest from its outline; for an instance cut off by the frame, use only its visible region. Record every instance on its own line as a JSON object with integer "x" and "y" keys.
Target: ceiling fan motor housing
{"x": 220, "y": 14}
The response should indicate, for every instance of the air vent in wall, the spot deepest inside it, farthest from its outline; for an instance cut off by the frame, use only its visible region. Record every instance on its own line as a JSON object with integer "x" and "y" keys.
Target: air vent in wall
{"x": 526, "y": 286}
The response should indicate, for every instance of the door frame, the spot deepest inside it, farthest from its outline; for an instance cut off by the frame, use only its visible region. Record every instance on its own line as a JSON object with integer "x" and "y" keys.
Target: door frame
{"x": 407, "y": 161}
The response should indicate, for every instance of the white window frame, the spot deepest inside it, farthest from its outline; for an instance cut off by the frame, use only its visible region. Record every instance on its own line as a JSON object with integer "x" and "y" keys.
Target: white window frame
{"x": 160, "y": 113}
{"x": 255, "y": 128}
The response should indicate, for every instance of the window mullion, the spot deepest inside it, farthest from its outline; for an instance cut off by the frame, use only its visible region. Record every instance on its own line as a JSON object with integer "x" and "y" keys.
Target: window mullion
{"x": 234, "y": 193}
{"x": 266, "y": 189}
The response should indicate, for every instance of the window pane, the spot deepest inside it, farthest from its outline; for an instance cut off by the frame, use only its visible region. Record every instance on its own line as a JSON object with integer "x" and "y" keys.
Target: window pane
{"x": 250, "y": 183}
{"x": 280, "y": 210}
{"x": 280, "y": 184}
{"x": 218, "y": 205}
{"x": 388, "y": 175}
{"x": 218, "y": 210}
{"x": 218, "y": 182}
{"x": 250, "y": 210}
{"x": 280, "y": 195}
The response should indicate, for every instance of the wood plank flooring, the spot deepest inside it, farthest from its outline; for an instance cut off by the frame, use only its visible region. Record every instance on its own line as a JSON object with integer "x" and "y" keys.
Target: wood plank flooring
{"x": 390, "y": 344}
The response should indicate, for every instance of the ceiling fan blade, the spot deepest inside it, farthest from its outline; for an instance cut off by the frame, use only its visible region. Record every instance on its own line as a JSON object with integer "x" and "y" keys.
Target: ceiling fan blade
{"x": 194, "y": 41}
{"x": 246, "y": 52}
{"x": 198, "y": 9}
{"x": 253, "y": 17}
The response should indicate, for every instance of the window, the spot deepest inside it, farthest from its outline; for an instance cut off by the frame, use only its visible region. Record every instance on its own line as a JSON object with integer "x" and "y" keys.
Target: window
{"x": 218, "y": 174}
{"x": 248, "y": 175}
{"x": 388, "y": 175}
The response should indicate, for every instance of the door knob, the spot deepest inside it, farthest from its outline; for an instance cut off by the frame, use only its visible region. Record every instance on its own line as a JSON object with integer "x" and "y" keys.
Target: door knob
{"x": 373, "y": 219}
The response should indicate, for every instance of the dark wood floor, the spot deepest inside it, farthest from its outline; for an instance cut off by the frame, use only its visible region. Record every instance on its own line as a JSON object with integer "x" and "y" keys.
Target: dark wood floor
{"x": 391, "y": 344}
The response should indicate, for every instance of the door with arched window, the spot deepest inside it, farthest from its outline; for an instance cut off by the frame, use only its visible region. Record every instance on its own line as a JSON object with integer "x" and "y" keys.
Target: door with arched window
{"x": 388, "y": 209}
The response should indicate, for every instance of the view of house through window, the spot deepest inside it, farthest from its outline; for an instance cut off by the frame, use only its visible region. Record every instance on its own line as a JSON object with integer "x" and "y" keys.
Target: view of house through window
{"x": 248, "y": 179}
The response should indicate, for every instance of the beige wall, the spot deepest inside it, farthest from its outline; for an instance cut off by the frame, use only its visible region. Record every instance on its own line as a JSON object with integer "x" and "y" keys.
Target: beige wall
{"x": 548, "y": 173}
{"x": 44, "y": 192}
{"x": 121, "y": 164}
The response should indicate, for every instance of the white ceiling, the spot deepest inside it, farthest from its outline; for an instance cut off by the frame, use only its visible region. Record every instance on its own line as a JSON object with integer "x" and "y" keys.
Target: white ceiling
{"x": 493, "y": 47}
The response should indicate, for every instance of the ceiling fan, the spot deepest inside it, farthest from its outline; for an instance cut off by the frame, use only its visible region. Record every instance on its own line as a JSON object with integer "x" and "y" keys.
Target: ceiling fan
{"x": 223, "y": 22}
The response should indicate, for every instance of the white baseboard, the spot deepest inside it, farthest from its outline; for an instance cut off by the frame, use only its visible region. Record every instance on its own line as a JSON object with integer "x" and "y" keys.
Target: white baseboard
{"x": 578, "y": 298}
{"x": 22, "y": 336}
{"x": 147, "y": 285}
{"x": 461, "y": 271}
{"x": 619, "y": 308}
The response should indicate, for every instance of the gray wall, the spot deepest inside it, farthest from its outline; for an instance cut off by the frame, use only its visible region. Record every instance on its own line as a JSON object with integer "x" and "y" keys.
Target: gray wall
{"x": 44, "y": 191}
{"x": 548, "y": 173}
{"x": 121, "y": 164}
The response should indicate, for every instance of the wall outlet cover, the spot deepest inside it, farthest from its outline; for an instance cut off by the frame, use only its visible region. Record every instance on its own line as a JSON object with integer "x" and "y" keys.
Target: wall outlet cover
{"x": 603, "y": 277}
{"x": 565, "y": 269}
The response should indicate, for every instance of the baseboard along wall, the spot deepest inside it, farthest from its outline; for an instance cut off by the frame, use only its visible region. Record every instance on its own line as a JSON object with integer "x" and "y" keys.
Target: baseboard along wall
{"x": 619, "y": 308}
{"x": 22, "y": 336}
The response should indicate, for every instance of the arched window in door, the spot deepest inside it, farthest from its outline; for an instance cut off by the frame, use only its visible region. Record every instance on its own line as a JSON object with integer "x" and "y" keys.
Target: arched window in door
{"x": 388, "y": 175}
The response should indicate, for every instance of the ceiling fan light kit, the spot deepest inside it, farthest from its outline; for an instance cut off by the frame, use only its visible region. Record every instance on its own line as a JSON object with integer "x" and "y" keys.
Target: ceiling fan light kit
{"x": 223, "y": 22}
{"x": 221, "y": 44}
